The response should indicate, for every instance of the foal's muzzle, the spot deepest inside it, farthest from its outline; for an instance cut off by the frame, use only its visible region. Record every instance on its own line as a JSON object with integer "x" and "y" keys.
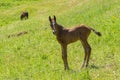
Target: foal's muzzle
{"x": 54, "y": 29}
{"x": 54, "y": 32}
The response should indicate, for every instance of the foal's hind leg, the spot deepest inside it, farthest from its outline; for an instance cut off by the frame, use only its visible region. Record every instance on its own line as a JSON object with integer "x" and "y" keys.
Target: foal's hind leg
{"x": 87, "y": 50}
{"x": 89, "y": 53}
{"x": 85, "y": 56}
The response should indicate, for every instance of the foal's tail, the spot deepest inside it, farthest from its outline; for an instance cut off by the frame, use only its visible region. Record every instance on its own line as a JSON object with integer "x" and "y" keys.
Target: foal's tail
{"x": 96, "y": 32}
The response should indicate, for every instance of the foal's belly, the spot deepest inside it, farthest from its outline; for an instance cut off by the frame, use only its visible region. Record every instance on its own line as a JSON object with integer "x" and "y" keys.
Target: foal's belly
{"x": 69, "y": 36}
{"x": 72, "y": 39}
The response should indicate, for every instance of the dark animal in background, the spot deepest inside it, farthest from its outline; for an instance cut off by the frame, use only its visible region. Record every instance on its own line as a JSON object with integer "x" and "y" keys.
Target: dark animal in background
{"x": 66, "y": 36}
{"x": 24, "y": 15}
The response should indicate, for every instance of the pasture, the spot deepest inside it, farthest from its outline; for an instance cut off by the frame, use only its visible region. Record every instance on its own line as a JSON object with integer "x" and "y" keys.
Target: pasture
{"x": 37, "y": 54}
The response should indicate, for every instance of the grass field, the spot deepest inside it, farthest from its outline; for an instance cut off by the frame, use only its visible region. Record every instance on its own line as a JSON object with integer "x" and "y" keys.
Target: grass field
{"x": 37, "y": 55}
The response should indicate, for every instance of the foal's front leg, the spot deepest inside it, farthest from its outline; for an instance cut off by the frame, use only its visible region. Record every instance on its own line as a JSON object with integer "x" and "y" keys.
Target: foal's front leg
{"x": 64, "y": 56}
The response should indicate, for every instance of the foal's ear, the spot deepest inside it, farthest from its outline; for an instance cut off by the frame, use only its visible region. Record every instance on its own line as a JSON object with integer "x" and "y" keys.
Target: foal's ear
{"x": 54, "y": 18}
{"x": 49, "y": 18}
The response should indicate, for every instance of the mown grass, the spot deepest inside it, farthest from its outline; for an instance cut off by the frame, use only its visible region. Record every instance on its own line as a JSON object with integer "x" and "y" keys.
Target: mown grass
{"x": 37, "y": 55}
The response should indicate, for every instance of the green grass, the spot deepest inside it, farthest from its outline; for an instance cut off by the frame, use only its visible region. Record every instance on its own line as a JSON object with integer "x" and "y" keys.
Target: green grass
{"x": 37, "y": 55}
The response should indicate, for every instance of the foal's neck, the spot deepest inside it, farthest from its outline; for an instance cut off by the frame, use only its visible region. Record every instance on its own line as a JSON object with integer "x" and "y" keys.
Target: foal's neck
{"x": 60, "y": 28}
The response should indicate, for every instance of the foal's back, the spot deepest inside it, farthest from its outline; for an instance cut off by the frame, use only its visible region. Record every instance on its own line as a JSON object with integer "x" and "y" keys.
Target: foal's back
{"x": 75, "y": 33}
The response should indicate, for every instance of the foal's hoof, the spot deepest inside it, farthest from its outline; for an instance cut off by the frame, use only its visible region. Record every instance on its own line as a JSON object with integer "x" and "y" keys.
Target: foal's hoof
{"x": 84, "y": 67}
{"x": 67, "y": 68}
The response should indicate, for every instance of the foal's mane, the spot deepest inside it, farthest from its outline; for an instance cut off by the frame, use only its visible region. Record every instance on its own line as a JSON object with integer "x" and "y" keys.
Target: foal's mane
{"x": 60, "y": 26}
{"x": 60, "y": 30}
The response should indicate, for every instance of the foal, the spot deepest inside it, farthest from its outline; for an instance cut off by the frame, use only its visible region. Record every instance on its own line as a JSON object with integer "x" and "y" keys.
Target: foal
{"x": 24, "y": 15}
{"x": 66, "y": 36}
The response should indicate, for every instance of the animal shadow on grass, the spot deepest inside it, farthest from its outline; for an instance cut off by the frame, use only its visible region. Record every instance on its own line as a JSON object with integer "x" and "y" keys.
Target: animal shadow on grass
{"x": 80, "y": 70}
{"x": 93, "y": 67}
{"x": 18, "y": 34}
{"x": 103, "y": 66}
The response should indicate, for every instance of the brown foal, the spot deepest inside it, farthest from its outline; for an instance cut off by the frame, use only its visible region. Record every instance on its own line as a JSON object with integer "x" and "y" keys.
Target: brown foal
{"x": 66, "y": 36}
{"x": 24, "y": 15}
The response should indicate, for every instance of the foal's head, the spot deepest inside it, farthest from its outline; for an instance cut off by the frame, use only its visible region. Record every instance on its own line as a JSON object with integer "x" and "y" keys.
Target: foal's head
{"x": 53, "y": 24}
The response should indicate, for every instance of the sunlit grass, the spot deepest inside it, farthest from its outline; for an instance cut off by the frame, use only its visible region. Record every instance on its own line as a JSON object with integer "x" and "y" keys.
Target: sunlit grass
{"x": 37, "y": 55}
